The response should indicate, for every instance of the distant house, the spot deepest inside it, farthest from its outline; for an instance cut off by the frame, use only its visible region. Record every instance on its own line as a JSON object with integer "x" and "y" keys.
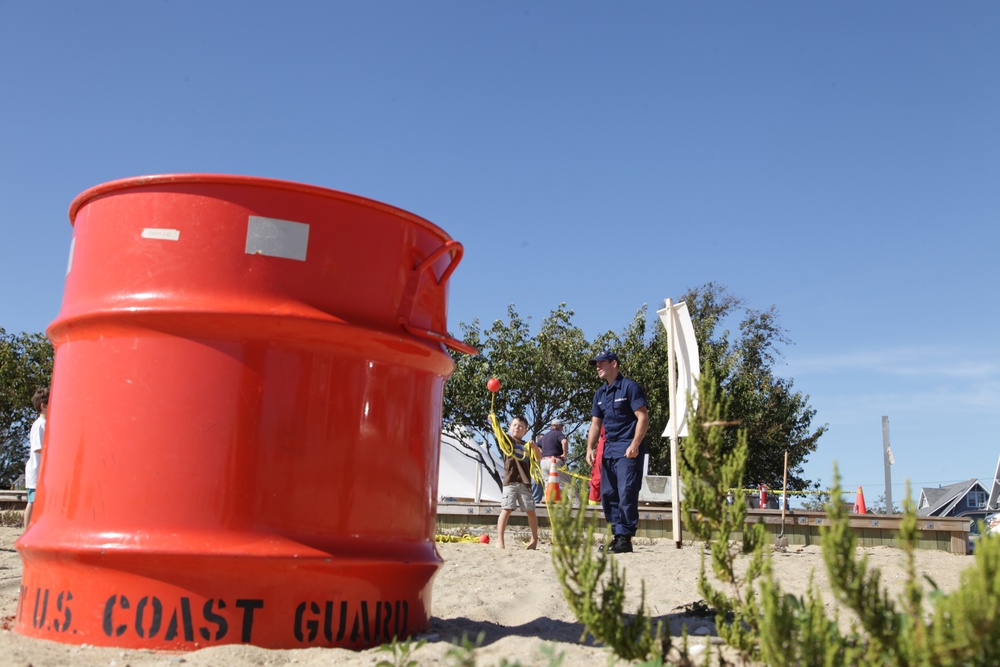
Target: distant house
{"x": 969, "y": 499}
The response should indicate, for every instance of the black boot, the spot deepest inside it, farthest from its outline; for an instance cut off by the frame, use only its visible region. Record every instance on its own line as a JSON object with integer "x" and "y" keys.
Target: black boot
{"x": 610, "y": 548}
{"x": 621, "y": 545}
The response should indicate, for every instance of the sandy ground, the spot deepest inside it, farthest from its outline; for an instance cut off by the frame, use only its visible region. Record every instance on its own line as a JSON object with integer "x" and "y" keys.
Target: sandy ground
{"x": 512, "y": 597}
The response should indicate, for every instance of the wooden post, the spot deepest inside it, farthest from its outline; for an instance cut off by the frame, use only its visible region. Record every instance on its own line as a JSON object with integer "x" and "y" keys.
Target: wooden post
{"x": 675, "y": 477}
{"x": 887, "y": 459}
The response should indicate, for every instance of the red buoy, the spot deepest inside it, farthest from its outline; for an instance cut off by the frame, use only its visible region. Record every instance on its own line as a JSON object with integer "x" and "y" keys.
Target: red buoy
{"x": 243, "y": 367}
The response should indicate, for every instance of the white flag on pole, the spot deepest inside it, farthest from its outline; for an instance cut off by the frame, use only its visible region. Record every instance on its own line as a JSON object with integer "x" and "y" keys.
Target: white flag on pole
{"x": 994, "y": 502}
{"x": 686, "y": 350}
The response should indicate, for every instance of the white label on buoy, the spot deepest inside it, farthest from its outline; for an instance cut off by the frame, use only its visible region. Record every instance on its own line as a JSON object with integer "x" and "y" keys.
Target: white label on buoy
{"x": 69, "y": 263}
{"x": 277, "y": 238}
{"x": 160, "y": 233}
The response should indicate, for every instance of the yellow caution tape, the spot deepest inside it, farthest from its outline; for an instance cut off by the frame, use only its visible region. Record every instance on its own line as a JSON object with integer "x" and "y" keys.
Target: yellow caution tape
{"x": 573, "y": 474}
{"x": 756, "y": 489}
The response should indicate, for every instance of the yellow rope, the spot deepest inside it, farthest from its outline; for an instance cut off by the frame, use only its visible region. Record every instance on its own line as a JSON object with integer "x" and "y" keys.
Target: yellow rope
{"x": 455, "y": 538}
{"x": 507, "y": 446}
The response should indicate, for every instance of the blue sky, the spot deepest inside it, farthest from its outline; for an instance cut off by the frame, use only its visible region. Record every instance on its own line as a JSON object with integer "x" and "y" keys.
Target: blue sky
{"x": 840, "y": 161}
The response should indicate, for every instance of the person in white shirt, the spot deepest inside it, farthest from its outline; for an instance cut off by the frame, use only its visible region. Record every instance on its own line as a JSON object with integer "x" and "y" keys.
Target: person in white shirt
{"x": 41, "y": 402}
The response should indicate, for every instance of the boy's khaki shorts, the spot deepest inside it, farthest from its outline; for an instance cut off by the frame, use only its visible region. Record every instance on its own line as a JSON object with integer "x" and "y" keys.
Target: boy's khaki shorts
{"x": 517, "y": 496}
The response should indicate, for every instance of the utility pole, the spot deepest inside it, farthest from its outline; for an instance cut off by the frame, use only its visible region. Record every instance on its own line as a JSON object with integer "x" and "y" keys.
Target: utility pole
{"x": 888, "y": 460}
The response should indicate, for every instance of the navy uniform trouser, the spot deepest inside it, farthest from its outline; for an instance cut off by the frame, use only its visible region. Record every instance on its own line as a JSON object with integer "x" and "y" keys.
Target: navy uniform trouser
{"x": 621, "y": 479}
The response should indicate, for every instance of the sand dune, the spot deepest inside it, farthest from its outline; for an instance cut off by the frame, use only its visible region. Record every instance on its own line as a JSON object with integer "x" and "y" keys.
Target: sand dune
{"x": 511, "y": 597}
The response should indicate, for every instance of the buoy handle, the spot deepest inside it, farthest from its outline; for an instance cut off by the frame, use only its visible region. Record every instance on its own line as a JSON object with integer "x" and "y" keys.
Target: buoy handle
{"x": 456, "y": 250}
{"x": 410, "y": 294}
{"x": 447, "y": 341}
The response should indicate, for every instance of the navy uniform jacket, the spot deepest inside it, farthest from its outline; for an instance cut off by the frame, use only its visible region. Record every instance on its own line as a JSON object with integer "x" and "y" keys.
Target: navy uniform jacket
{"x": 551, "y": 443}
{"x": 615, "y": 404}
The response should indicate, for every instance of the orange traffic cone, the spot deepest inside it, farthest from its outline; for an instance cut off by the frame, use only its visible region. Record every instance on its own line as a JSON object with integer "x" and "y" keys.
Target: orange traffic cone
{"x": 552, "y": 491}
{"x": 859, "y": 503}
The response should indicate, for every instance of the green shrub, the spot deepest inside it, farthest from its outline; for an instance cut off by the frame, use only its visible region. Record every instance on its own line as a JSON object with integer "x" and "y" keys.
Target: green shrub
{"x": 922, "y": 628}
{"x": 402, "y": 653}
{"x": 11, "y": 518}
{"x": 598, "y": 601}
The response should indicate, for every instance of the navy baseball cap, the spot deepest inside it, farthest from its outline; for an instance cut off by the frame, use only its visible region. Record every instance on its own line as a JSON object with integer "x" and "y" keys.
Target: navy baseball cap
{"x": 606, "y": 355}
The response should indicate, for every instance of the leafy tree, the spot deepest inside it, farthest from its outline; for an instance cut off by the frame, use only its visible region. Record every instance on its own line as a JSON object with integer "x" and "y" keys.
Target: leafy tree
{"x": 775, "y": 416}
{"x": 547, "y": 376}
{"x": 543, "y": 377}
{"x": 25, "y": 364}
{"x": 878, "y": 507}
{"x": 816, "y": 502}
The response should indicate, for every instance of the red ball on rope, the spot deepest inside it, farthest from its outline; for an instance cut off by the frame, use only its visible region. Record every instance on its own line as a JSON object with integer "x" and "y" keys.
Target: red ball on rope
{"x": 493, "y": 385}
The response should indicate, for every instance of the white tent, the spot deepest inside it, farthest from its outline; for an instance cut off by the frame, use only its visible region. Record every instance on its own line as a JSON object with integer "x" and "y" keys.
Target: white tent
{"x": 462, "y": 476}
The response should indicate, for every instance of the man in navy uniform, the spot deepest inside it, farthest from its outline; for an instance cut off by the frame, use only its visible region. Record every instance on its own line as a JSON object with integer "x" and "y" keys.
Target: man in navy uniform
{"x": 620, "y": 406}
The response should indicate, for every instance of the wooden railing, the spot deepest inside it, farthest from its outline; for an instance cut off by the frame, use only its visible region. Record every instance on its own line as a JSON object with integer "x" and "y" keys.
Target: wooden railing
{"x": 800, "y": 527}
{"x": 13, "y": 500}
